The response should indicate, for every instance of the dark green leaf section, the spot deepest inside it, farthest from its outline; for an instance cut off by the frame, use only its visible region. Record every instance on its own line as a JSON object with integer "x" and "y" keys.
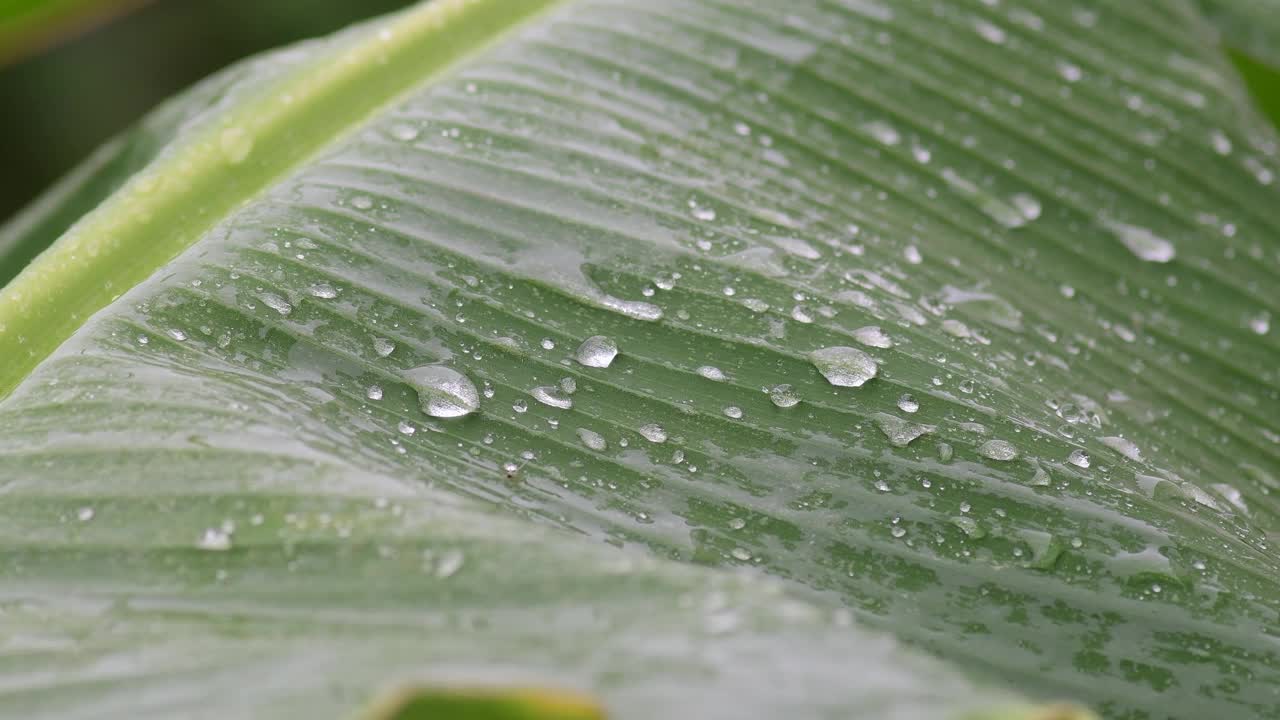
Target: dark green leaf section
{"x": 1060, "y": 218}
{"x": 1263, "y": 81}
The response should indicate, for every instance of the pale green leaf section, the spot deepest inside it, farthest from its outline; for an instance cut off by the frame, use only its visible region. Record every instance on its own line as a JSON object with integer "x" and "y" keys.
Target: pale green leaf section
{"x": 1048, "y": 228}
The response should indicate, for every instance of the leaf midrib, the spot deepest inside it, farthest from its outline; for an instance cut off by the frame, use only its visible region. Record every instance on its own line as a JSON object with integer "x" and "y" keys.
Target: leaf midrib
{"x": 153, "y": 218}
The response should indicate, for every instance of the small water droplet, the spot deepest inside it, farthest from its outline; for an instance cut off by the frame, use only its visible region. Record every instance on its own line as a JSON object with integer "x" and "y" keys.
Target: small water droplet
{"x": 998, "y": 450}
{"x": 85, "y": 514}
{"x": 442, "y": 391}
{"x": 449, "y": 563}
{"x": 215, "y": 539}
{"x": 406, "y": 428}
{"x": 733, "y": 411}
{"x": 362, "y": 202}
{"x": 907, "y": 403}
{"x": 177, "y": 334}
{"x": 592, "y": 439}
{"x": 784, "y": 396}
{"x": 597, "y": 351}
{"x": 569, "y": 385}
{"x": 737, "y": 524}
{"x": 844, "y": 366}
{"x": 945, "y": 452}
{"x": 404, "y": 132}
{"x": 383, "y": 347}
{"x": 553, "y": 396}
{"x": 324, "y": 291}
{"x": 653, "y": 433}
{"x": 1221, "y": 143}
{"x": 548, "y": 344}
{"x": 898, "y": 531}
{"x": 374, "y": 392}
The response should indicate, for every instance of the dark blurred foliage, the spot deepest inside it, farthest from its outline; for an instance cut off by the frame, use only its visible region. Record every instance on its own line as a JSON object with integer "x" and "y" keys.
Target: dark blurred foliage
{"x": 59, "y": 105}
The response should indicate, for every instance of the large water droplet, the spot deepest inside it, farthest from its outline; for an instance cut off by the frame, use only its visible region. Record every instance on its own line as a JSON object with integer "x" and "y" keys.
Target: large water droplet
{"x": 592, "y": 439}
{"x": 653, "y": 433}
{"x": 899, "y": 431}
{"x": 597, "y": 351}
{"x": 711, "y": 372}
{"x": 553, "y": 396}
{"x": 998, "y": 450}
{"x": 872, "y": 336}
{"x": 1125, "y": 447}
{"x": 844, "y": 366}
{"x": 1079, "y": 458}
{"x": 1142, "y": 242}
{"x": 442, "y": 391}
{"x": 275, "y": 302}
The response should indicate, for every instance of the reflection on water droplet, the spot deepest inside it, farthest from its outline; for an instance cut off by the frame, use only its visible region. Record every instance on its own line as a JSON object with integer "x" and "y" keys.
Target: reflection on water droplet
{"x": 597, "y": 351}
{"x": 784, "y": 396}
{"x": 998, "y": 450}
{"x": 383, "y": 347}
{"x": 406, "y": 428}
{"x": 740, "y": 554}
{"x": 374, "y": 392}
{"x": 737, "y": 523}
{"x": 907, "y": 403}
{"x": 177, "y": 334}
{"x": 84, "y": 514}
{"x": 872, "y": 336}
{"x": 844, "y": 366}
{"x": 733, "y": 411}
{"x": 442, "y": 391}
{"x": 1079, "y": 458}
{"x": 653, "y": 433}
{"x": 592, "y": 439}
{"x": 553, "y": 396}
{"x": 898, "y": 531}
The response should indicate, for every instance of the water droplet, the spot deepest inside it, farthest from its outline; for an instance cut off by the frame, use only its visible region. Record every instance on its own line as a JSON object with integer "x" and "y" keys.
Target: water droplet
{"x": 569, "y": 385}
{"x": 945, "y": 452}
{"x": 1125, "y": 447}
{"x": 711, "y": 372}
{"x": 900, "y": 432}
{"x": 1027, "y": 204}
{"x": 362, "y": 202}
{"x": 324, "y": 291}
{"x": 784, "y": 396}
{"x": 881, "y": 485}
{"x": 406, "y": 428}
{"x": 553, "y": 396}
{"x": 872, "y": 336}
{"x": 592, "y": 439}
{"x": 214, "y": 539}
{"x": 907, "y": 403}
{"x": 1143, "y": 243}
{"x": 653, "y": 433}
{"x": 449, "y": 563}
{"x": 733, "y": 411}
{"x": 969, "y": 526}
{"x": 404, "y": 132}
{"x": 998, "y": 450}
{"x": 898, "y": 531}
{"x": 84, "y": 514}
{"x": 1221, "y": 143}
{"x": 597, "y": 351}
{"x": 737, "y": 524}
{"x": 520, "y": 406}
{"x": 912, "y": 255}
{"x": 548, "y": 344}
{"x": 740, "y": 554}
{"x": 177, "y": 334}
{"x": 383, "y": 347}
{"x": 1069, "y": 71}
{"x": 990, "y": 32}
{"x": 844, "y": 366}
{"x": 442, "y": 391}
{"x": 374, "y": 392}
{"x": 275, "y": 302}
{"x": 1079, "y": 458}
{"x": 1260, "y": 323}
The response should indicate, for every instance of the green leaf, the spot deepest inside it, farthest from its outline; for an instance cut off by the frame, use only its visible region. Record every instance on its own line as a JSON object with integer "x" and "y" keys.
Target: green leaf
{"x": 953, "y": 318}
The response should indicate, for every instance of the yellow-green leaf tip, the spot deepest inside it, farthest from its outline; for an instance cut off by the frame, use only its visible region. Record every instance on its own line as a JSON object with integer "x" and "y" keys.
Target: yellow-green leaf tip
{"x": 1052, "y": 711}
{"x": 424, "y": 703}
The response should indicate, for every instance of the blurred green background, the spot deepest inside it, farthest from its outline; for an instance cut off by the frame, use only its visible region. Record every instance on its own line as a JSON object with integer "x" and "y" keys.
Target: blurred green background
{"x": 97, "y": 72}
